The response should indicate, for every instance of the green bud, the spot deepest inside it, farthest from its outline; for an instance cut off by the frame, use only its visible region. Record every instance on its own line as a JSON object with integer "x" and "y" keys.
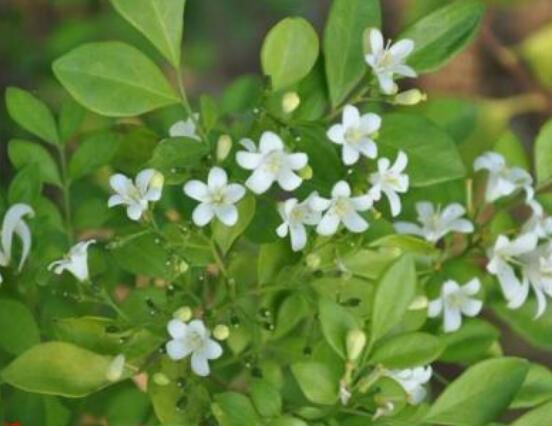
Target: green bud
{"x": 290, "y": 102}
{"x": 115, "y": 368}
{"x": 356, "y": 340}
{"x": 419, "y": 303}
{"x": 183, "y": 267}
{"x": 306, "y": 173}
{"x": 157, "y": 181}
{"x": 410, "y": 97}
{"x": 224, "y": 146}
{"x": 313, "y": 261}
{"x": 221, "y": 332}
{"x": 161, "y": 379}
{"x": 184, "y": 314}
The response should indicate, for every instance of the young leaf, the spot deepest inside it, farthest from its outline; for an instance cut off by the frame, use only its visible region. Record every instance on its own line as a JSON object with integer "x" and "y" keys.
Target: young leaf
{"x": 317, "y": 381}
{"x": 19, "y": 329}
{"x": 266, "y": 398}
{"x": 272, "y": 258}
{"x": 114, "y": 79}
{"x": 343, "y": 53}
{"x": 395, "y": 291}
{"x": 471, "y": 343}
{"x": 432, "y": 155}
{"x": 442, "y": 34}
{"x": 407, "y": 350}
{"x": 31, "y": 114}
{"x": 234, "y": 409}
{"x": 144, "y": 256}
{"x": 57, "y": 368}
{"x": 160, "y": 21}
{"x": 480, "y": 394}
{"x": 94, "y": 151}
{"x": 543, "y": 153}
{"x": 336, "y": 322}
{"x": 23, "y": 153}
{"x": 71, "y": 117}
{"x": 538, "y": 417}
{"x": 289, "y": 52}
{"x": 226, "y": 235}
{"x": 26, "y": 186}
{"x": 536, "y": 389}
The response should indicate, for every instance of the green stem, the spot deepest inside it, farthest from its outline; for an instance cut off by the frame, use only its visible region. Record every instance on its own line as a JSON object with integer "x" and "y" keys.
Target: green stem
{"x": 66, "y": 184}
{"x": 186, "y": 104}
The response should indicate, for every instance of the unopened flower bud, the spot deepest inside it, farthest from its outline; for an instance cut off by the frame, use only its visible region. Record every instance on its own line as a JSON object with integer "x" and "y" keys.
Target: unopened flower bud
{"x": 184, "y": 314}
{"x": 157, "y": 180}
{"x": 161, "y": 379}
{"x": 306, "y": 173}
{"x": 356, "y": 340}
{"x": 313, "y": 261}
{"x": 183, "y": 267}
{"x": 410, "y": 97}
{"x": 115, "y": 369}
{"x": 221, "y": 332}
{"x": 419, "y": 303}
{"x": 290, "y": 102}
{"x": 224, "y": 146}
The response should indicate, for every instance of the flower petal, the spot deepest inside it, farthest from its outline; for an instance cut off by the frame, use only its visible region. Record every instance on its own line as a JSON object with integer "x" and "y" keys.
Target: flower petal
{"x": 349, "y": 155}
{"x": 355, "y": 222}
{"x": 341, "y": 189}
{"x": 452, "y": 319}
{"x": 402, "y": 48}
{"x": 121, "y": 184}
{"x": 212, "y": 349}
{"x": 376, "y": 40}
{"x": 217, "y": 178}
{"x": 197, "y": 190}
{"x": 472, "y": 307}
{"x": 177, "y": 329}
{"x": 203, "y": 214}
{"x": 270, "y": 141}
{"x": 234, "y": 193}
{"x": 288, "y": 180}
{"x": 336, "y": 134}
{"x": 177, "y": 350}
{"x": 297, "y": 160}
{"x": 298, "y": 236}
{"x": 200, "y": 366}
{"x": 259, "y": 181}
{"x": 328, "y": 225}
{"x": 143, "y": 180}
{"x": 248, "y": 160}
{"x": 351, "y": 116}
{"x": 227, "y": 214}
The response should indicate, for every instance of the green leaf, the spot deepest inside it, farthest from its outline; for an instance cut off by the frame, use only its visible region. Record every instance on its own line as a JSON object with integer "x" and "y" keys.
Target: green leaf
{"x": 444, "y": 33}
{"x": 234, "y": 409}
{"x": 480, "y": 394}
{"x": 532, "y": 50}
{"x": 543, "y": 153}
{"x": 396, "y": 290}
{"x": 172, "y": 156}
{"x": 23, "y": 153}
{"x": 71, "y": 117}
{"x": 26, "y": 186}
{"x": 226, "y": 235}
{"x": 287, "y": 421}
{"x": 471, "y": 343}
{"x": 209, "y": 112}
{"x": 31, "y": 114}
{"x": 19, "y": 329}
{"x": 538, "y": 417}
{"x": 94, "y": 151}
{"x": 144, "y": 255}
{"x": 114, "y": 79}
{"x": 57, "y": 368}
{"x": 266, "y": 398}
{"x": 511, "y": 148}
{"x": 160, "y": 21}
{"x": 292, "y": 311}
{"x": 407, "y": 350}
{"x": 317, "y": 381}
{"x": 368, "y": 263}
{"x": 272, "y": 258}
{"x": 536, "y": 389}
{"x": 343, "y": 52}
{"x": 432, "y": 155}
{"x": 336, "y": 322}
{"x": 289, "y": 52}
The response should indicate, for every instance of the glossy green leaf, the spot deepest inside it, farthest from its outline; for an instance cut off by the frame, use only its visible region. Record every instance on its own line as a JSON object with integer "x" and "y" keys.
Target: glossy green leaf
{"x": 290, "y": 313}
{"x": 543, "y": 153}
{"x": 57, "y": 368}
{"x": 473, "y": 342}
{"x": 343, "y": 51}
{"x": 19, "y": 328}
{"x": 234, "y": 409}
{"x": 160, "y": 21}
{"x": 407, "y": 350}
{"x": 224, "y": 235}
{"x": 31, "y": 114}
{"x": 317, "y": 381}
{"x": 536, "y": 389}
{"x": 266, "y": 398}
{"x": 114, "y": 79}
{"x": 93, "y": 152}
{"x": 396, "y": 290}
{"x": 432, "y": 154}
{"x": 71, "y": 116}
{"x": 480, "y": 394}
{"x": 444, "y": 33}
{"x": 289, "y": 52}
{"x": 336, "y": 322}
{"x": 144, "y": 255}
{"x": 272, "y": 258}
{"x": 538, "y": 417}
{"x": 23, "y": 153}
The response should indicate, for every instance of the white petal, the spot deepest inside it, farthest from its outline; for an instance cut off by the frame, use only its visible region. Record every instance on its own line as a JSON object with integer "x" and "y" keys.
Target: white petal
{"x": 462, "y": 225}
{"x": 472, "y": 287}
{"x": 227, "y": 214}
{"x": 425, "y": 210}
{"x": 402, "y": 48}
{"x": 400, "y": 163}
{"x": 282, "y": 230}
{"x": 249, "y": 160}
{"x": 405, "y": 71}
{"x": 408, "y": 228}
{"x": 197, "y": 190}
{"x": 200, "y": 366}
{"x": 289, "y": 180}
{"x": 121, "y": 184}
{"x": 336, "y": 134}
{"x": 363, "y": 202}
{"x": 115, "y": 200}
{"x": 203, "y": 214}
{"x": 341, "y": 189}
{"x": 434, "y": 308}
{"x": 234, "y": 193}
{"x": 394, "y": 202}
{"x": 297, "y": 161}
{"x": 523, "y": 244}
{"x": 298, "y": 236}
{"x": 248, "y": 144}
{"x": 212, "y": 349}
{"x": 472, "y": 307}
{"x": 376, "y": 40}
{"x": 135, "y": 211}
{"x": 176, "y": 329}
{"x": 387, "y": 84}
{"x": 351, "y": 116}
{"x": 318, "y": 203}
{"x": 13, "y": 217}
{"x": 541, "y": 301}
{"x": 270, "y": 141}
{"x": 177, "y": 350}
{"x": 24, "y": 233}
{"x": 328, "y": 225}
{"x": 354, "y": 222}
{"x": 143, "y": 180}
{"x": 491, "y": 161}
{"x": 370, "y": 123}
{"x": 452, "y": 319}
{"x": 217, "y": 178}
{"x": 368, "y": 148}
{"x": 349, "y": 155}
{"x": 453, "y": 212}
{"x": 259, "y": 181}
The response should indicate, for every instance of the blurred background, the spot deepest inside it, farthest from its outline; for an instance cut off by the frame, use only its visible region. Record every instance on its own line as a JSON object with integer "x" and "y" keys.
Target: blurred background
{"x": 494, "y": 94}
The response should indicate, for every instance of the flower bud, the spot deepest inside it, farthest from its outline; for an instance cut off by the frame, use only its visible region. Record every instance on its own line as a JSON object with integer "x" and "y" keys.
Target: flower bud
{"x": 410, "y": 97}
{"x": 157, "y": 180}
{"x": 305, "y": 173}
{"x": 290, "y": 102}
{"x": 161, "y": 379}
{"x": 183, "y": 267}
{"x": 221, "y": 332}
{"x": 313, "y": 261}
{"x": 115, "y": 369}
{"x": 224, "y": 146}
{"x": 184, "y": 314}
{"x": 356, "y": 340}
{"x": 419, "y": 303}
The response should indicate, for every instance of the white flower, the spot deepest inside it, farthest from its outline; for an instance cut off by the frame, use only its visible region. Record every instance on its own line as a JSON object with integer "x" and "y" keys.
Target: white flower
{"x": 412, "y": 381}
{"x": 537, "y": 273}
{"x": 136, "y": 195}
{"x": 455, "y": 301}
{"x": 295, "y": 216}
{"x": 13, "y": 224}
{"x": 356, "y": 134}
{"x": 390, "y": 180}
{"x": 76, "y": 261}
{"x": 192, "y": 338}
{"x": 271, "y": 163}
{"x": 185, "y": 128}
{"x": 503, "y": 180}
{"x": 217, "y": 198}
{"x": 389, "y": 60}
{"x": 539, "y": 223}
{"x": 435, "y": 224}
{"x": 502, "y": 256}
{"x": 342, "y": 208}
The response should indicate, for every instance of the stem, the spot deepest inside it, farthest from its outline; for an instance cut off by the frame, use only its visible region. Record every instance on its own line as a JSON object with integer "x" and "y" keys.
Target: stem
{"x": 110, "y": 302}
{"x": 187, "y": 106}
{"x": 66, "y": 184}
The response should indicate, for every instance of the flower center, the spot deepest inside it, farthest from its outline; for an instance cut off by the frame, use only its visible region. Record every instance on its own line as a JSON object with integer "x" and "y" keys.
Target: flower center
{"x": 217, "y": 196}
{"x": 274, "y": 162}
{"x": 456, "y": 299}
{"x": 297, "y": 215}
{"x": 353, "y": 135}
{"x": 194, "y": 340}
{"x": 342, "y": 206}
